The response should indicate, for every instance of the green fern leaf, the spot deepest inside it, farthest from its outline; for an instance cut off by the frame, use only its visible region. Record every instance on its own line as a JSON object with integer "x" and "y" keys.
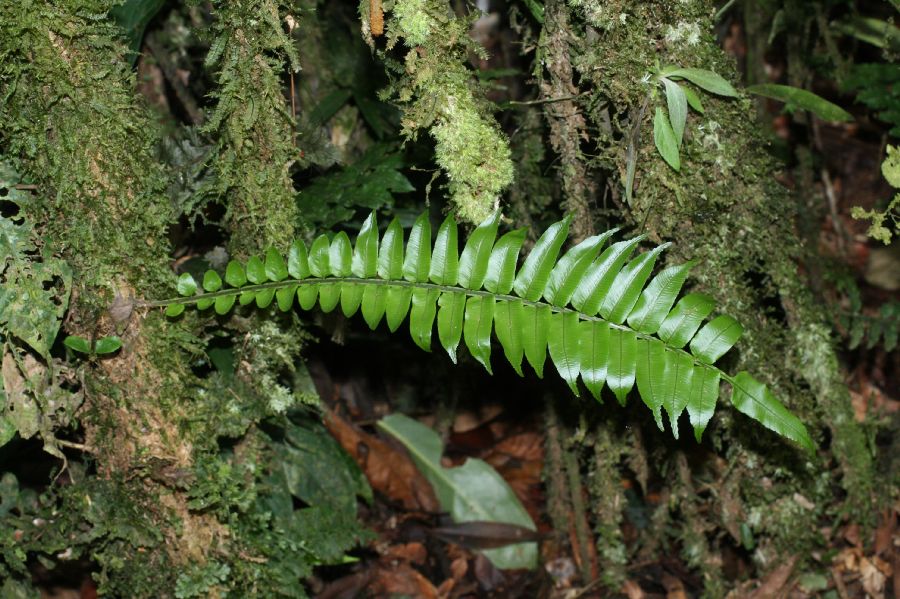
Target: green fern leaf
{"x": 598, "y": 317}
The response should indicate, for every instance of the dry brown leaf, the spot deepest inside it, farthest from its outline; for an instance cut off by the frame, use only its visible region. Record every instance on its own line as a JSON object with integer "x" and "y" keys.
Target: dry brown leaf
{"x": 633, "y": 590}
{"x": 401, "y": 579}
{"x": 410, "y": 552}
{"x": 774, "y": 583}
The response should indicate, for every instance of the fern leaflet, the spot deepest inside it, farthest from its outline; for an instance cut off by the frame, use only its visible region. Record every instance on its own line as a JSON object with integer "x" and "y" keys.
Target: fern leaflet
{"x": 592, "y": 309}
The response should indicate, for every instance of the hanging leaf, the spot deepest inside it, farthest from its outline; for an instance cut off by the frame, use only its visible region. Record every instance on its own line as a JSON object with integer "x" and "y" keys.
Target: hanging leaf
{"x": 796, "y": 98}
{"x": 664, "y": 138}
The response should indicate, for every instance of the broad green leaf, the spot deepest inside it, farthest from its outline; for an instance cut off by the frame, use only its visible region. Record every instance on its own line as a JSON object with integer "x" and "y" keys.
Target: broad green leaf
{"x": 329, "y": 297}
{"x": 508, "y": 318}
{"x": 276, "y": 269}
{"x": 452, "y": 307}
{"x": 473, "y": 492}
{"x": 235, "y": 275}
{"x": 664, "y": 138}
{"x": 754, "y": 399}
{"x": 684, "y": 320}
{"x": 79, "y": 344}
{"x": 107, "y": 345}
{"x": 256, "y": 270}
{"x": 340, "y": 256}
{"x": 626, "y": 288}
{"x": 535, "y": 324}
{"x": 186, "y": 285}
{"x": 600, "y": 275}
{"x": 390, "y": 255}
{"x": 320, "y": 257}
{"x": 702, "y": 401}
{"x": 212, "y": 281}
{"x": 501, "y": 268}
{"x": 594, "y": 348}
{"x": 205, "y": 303}
{"x": 365, "y": 255}
{"x": 421, "y": 316}
{"x": 351, "y": 298}
{"x": 795, "y": 98}
{"x": 473, "y": 262}
{"x": 477, "y": 328}
{"x": 676, "y": 102}
{"x": 693, "y": 99}
{"x": 657, "y": 298}
{"x": 445, "y": 258}
{"x": 620, "y": 369}
{"x": 264, "y": 298}
{"x": 173, "y": 310}
{"x": 246, "y": 297}
{"x": 417, "y": 263}
{"x": 224, "y": 303}
{"x": 702, "y": 78}
{"x": 298, "y": 260}
{"x": 373, "y": 304}
{"x": 284, "y": 297}
{"x": 716, "y": 338}
{"x": 396, "y": 305}
{"x": 567, "y": 273}
{"x": 653, "y": 380}
{"x": 532, "y": 278}
{"x": 563, "y": 342}
{"x": 307, "y": 295}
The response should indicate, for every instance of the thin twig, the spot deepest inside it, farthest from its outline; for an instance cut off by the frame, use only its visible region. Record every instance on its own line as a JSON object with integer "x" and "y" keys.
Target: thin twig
{"x": 545, "y": 101}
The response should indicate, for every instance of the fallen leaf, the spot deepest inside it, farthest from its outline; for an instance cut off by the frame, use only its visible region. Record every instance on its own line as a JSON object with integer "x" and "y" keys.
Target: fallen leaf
{"x": 773, "y": 585}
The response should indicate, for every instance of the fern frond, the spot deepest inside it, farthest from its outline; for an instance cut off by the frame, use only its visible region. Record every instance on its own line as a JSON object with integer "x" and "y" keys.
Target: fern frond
{"x": 593, "y": 311}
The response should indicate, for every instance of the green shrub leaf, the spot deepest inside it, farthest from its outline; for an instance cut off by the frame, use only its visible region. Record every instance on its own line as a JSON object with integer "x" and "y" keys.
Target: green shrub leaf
{"x": 702, "y": 78}
{"x": 795, "y": 98}
{"x": 664, "y": 138}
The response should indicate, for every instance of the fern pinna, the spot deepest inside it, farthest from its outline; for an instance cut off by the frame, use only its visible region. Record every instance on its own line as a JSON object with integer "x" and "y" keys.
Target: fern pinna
{"x": 592, "y": 311}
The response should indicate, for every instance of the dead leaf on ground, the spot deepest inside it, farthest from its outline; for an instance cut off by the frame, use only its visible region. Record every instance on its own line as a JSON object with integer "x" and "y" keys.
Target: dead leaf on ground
{"x": 400, "y": 579}
{"x": 773, "y": 585}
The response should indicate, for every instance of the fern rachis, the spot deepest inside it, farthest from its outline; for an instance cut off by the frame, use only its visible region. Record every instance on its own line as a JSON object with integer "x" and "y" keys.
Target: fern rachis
{"x": 593, "y": 311}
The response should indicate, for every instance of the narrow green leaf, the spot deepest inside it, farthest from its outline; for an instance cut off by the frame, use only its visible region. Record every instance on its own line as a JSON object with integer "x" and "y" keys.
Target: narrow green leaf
{"x": 421, "y": 316}
{"x": 501, "y": 268}
{"x": 680, "y": 371}
{"x": 563, "y": 342}
{"x": 594, "y": 347}
{"x": 532, "y": 278}
{"x": 477, "y": 326}
{"x": 284, "y": 297}
{"x": 173, "y": 310}
{"x": 211, "y": 281}
{"x": 676, "y": 101}
{"x": 627, "y": 286}
{"x": 535, "y": 324}
{"x": 365, "y": 255}
{"x": 396, "y": 305}
{"x": 664, "y": 138}
{"x": 622, "y": 364}
{"x": 320, "y": 257}
{"x": 235, "y": 275}
{"x": 340, "y": 255}
{"x": 684, "y": 320}
{"x": 307, "y": 296}
{"x": 754, "y": 399}
{"x": 567, "y": 273}
{"x": 79, "y": 344}
{"x": 418, "y": 250}
{"x": 708, "y": 80}
{"x": 795, "y": 98}
{"x": 702, "y": 401}
{"x": 653, "y": 381}
{"x": 224, "y": 303}
{"x": 186, "y": 285}
{"x": 256, "y": 270}
{"x": 329, "y": 297}
{"x": 693, "y": 99}
{"x": 716, "y": 338}
{"x": 595, "y": 283}
{"x": 508, "y": 320}
{"x": 276, "y": 269}
{"x": 473, "y": 262}
{"x": 451, "y": 313}
{"x": 390, "y": 256}
{"x": 107, "y": 345}
{"x": 264, "y": 298}
{"x": 351, "y": 298}
{"x": 657, "y": 298}
{"x": 373, "y": 304}
{"x": 298, "y": 260}
{"x": 445, "y": 258}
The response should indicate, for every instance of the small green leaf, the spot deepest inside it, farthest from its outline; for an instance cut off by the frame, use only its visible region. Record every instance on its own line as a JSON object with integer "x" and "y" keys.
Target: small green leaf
{"x": 754, "y": 399}
{"x": 276, "y": 269}
{"x": 186, "y": 285}
{"x": 535, "y": 324}
{"x": 373, "y": 304}
{"x": 264, "y": 298}
{"x": 693, "y": 99}
{"x": 594, "y": 348}
{"x": 421, "y": 316}
{"x": 657, "y": 298}
{"x": 622, "y": 363}
{"x": 319, "y": 257}
{"x": 508, "y": 321}
{"x": 256, "y": 270}
{"x": 627, "y": 286}
{"x": 173, "y": 310}
{"x": 330, "y": 297}
{"x": 445, "y": 259}
{"x": 365, "y": 255}
{"x": 284, "y": 297}
{"x": 79, "y": 344}
{"x": 451, "y": 314}
{"x": 212, "y": 281}
{"x": 563, "y": 342}
{"x": 702, "y": 400}
{"x": 298, "y": 260}
{"x": 418, "y": 250}
{"x": 684, "y": 320}
{"x": 390, "y": 256}
{"x": 595, "y": 283}
{"x": 473, "y": 262}
{"x": 664, "y": 138}
{"x": 501, "y": 270}
{"x": 351, "y": 298}
{"x": 676, "y": 100}
{"x": 224, "y": 303}
{"x": 652, "y": 379}
{"x": 235, "y": 275}
{"x": 477, "y": 327}
{"x": 716, "y": 338}
{"x": 340, "y": 255}
{"x": 567, "y": 273}
{"x": 396, "y": 305}
{"x": 532, "y": 278}
{"x": 708, "y": 80}
{"x": 795, "y": 98}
